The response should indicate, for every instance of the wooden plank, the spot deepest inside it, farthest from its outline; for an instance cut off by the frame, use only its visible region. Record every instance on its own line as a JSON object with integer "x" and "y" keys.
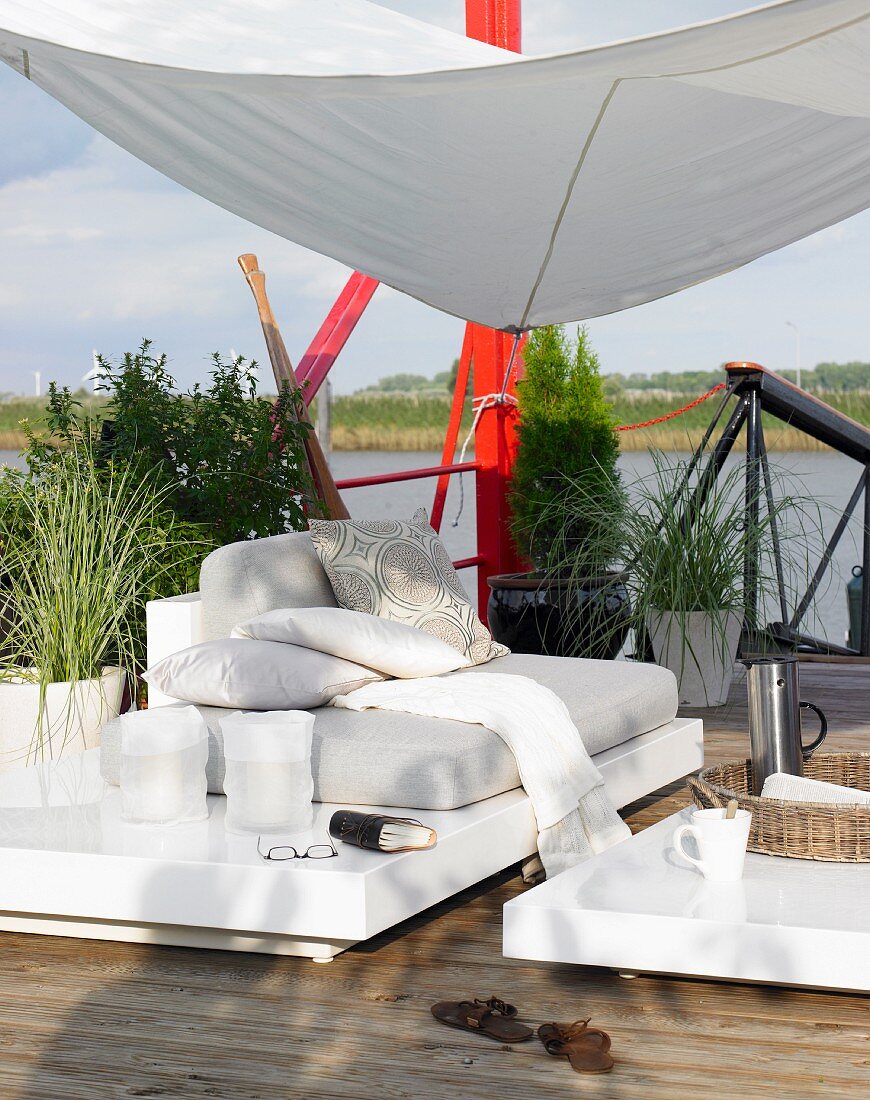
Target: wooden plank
{"x": 93, "y": 1021}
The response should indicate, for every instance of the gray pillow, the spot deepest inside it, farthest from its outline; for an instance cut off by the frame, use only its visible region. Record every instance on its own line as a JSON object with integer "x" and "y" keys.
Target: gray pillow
{"x": 255, "y": 675}
{"x": 402, "y": 571}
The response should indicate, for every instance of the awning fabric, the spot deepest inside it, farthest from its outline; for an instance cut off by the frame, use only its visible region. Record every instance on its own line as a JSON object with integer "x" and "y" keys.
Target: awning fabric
{"x": 513, "y": 191}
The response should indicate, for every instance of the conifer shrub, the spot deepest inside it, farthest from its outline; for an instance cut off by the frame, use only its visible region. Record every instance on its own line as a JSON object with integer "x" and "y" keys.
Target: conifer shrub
{"x": 566, "y": 433}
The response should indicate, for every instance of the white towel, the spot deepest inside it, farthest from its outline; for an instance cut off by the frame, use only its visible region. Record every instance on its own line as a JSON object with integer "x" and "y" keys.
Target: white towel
{"x": 797, "y": 788}
{"x": 575, "y": 817}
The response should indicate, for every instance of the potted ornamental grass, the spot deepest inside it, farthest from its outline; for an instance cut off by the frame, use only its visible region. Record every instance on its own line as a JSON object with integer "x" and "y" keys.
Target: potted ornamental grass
{"x": 683, "y": 545}
{"x": 573, "y": 602}
{"x": 84, "y": 545}
{"x": 687, "y": 557}
{"x": 688, "y": 543}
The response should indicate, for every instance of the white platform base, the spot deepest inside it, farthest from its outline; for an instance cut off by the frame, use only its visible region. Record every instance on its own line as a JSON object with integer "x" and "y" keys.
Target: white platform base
{"x": 638, "y": 908}
{"x": 174, "y": 935}
{"x": 70, "y": 866}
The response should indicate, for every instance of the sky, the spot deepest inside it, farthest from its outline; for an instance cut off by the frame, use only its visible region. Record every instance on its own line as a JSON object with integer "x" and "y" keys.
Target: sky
{"x": 101, "y": 251}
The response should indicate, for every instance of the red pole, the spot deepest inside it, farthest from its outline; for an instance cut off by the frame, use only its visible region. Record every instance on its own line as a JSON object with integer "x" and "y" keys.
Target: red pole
{"x": 332, "y": 335}
{"x": 498, "y": 22}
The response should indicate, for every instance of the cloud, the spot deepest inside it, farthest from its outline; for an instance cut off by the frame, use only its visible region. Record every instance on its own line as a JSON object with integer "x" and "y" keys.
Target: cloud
{"x": 149, "y": 253}
{"x": 107, "y": 252}
{"x": 36, "y": 133}
{"x": 44, "y": 234}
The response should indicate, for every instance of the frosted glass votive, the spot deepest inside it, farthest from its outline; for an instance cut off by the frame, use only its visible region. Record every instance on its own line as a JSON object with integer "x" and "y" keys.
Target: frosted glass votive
{"x": 268, "y": 784}
{"x": 163, "y": 757}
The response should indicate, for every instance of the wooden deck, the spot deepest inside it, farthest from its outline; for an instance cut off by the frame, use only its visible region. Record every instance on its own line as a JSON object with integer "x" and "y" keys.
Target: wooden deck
{"x": 85, "y": 1021}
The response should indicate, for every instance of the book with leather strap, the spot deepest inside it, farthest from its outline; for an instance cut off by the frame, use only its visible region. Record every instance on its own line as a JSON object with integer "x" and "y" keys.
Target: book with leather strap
{"x": 380, "y": 833}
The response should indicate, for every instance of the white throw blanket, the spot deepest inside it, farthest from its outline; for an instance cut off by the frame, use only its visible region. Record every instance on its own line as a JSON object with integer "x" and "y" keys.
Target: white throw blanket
{"x": 574, "y": 814}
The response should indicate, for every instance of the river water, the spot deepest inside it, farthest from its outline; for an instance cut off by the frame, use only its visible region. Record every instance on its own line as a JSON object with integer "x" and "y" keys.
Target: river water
{"x": 825, "y": 478}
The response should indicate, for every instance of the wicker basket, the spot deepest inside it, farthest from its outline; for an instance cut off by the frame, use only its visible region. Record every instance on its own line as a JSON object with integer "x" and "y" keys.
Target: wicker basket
{"x": 799, "y": 830}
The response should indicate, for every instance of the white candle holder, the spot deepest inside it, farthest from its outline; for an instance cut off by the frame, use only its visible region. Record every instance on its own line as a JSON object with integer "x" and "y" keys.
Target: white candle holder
{"x": 268, "y": 784}
{"x": 163, "y": 757}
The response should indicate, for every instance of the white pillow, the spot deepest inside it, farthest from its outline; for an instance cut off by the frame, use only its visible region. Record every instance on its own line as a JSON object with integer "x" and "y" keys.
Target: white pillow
{"x": 393, "y": 648}
{"x": 255, "y": 675}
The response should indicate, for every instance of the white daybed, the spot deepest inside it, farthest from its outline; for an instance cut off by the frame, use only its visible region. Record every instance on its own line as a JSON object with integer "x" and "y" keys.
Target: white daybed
{"x": 200, "y": 886}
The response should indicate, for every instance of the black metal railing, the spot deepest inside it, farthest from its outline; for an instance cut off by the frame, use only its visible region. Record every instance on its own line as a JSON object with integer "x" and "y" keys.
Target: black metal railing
{"x": 756, "y": 391}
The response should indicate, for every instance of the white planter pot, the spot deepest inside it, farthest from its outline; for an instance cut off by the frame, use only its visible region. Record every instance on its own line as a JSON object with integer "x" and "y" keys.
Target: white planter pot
{"x": 73, "y": 718}
{"x": 700, "y": 650}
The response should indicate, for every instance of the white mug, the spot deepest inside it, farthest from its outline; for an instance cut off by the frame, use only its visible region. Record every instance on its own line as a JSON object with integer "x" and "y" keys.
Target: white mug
{"x": 721, "y": 842}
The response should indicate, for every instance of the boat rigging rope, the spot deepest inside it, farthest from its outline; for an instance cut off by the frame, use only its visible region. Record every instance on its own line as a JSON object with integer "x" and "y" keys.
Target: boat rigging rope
{"x": 479, "y": 406}
{"x": 491, "y": 400}
{"x": 670, "y": 415}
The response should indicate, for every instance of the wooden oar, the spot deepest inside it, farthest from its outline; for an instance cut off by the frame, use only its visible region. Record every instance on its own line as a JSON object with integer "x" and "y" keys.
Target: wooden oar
{"x": 324, "y": 485}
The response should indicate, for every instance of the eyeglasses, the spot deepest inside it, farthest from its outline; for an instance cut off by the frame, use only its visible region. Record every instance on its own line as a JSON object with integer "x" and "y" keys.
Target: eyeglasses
{"x": 287, "y": 851}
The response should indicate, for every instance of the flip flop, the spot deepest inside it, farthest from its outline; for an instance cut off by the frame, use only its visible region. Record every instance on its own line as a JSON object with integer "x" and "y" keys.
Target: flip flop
{"x": 491, "y": 1017}
{"x": 586, "y": 1048}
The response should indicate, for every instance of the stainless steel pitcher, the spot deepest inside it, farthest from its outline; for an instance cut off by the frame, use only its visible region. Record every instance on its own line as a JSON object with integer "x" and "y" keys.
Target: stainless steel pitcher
{"x": 775, "y": 743}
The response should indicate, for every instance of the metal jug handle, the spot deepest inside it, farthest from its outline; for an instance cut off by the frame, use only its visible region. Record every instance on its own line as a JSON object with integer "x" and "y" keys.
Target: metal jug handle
{"x": 808, "y": 750}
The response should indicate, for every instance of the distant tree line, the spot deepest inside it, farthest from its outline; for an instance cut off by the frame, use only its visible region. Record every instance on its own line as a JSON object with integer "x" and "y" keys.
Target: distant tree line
{"x": 839, "y": 377}
{"x": 442, "y": 382}
{"x": 823, "y": 378}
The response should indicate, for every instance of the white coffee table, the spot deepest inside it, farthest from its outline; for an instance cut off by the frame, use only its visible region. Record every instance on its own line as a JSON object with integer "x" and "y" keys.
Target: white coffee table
{"x": 639, "y": 908}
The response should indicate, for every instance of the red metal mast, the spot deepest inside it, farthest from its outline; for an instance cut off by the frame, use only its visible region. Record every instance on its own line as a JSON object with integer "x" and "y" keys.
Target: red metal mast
{"x": 498, "y": 22}
{"x": 485, "y": 354}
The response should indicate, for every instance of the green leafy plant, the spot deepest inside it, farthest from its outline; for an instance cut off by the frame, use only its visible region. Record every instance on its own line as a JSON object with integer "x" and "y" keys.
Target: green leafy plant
{"x": 85, "y": 544}
{"x": 566, "y": 433}
{"x": 226, "y": 458}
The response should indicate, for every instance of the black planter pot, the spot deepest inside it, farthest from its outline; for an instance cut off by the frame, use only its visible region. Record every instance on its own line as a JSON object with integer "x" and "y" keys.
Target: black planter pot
{"x": 531, "y": 614}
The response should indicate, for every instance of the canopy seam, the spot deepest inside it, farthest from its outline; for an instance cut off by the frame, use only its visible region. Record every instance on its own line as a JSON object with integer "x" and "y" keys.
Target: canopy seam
{"x": 826, "y": 33}
{"x": 523, "y": 326}
{"x": 587, "y": 145}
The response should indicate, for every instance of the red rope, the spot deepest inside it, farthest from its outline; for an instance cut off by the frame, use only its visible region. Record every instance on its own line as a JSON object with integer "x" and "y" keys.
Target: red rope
{"x": 671, "y": 415}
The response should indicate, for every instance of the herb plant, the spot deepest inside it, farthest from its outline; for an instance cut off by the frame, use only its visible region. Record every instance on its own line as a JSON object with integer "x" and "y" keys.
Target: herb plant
{"x": 225, "y": 457}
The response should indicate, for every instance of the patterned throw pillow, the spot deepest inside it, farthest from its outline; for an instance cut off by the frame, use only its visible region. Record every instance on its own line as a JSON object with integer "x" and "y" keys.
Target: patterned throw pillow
{"x": 402, "y": 571}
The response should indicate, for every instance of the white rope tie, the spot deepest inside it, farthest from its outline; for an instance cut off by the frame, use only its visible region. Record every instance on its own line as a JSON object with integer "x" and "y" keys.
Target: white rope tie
{"x": 479, "y": 406}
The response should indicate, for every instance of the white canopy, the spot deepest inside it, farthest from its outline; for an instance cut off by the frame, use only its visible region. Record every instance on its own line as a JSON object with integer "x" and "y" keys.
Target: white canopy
{"x": 508, "y": 190}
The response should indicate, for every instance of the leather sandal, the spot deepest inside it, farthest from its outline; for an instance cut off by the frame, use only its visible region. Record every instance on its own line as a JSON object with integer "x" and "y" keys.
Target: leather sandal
{"x": 586, "y": 1048}
{"x": 491, "y": 1017}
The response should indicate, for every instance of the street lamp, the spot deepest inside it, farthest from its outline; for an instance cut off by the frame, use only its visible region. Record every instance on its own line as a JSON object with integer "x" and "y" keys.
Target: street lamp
{"x": 797, "y": 352}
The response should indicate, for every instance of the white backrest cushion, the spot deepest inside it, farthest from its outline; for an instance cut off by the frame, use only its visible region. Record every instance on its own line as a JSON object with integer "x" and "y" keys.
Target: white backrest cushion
{"x": 390, "y": 647}
{"x": 244, "y": 579}
{"x": 255, "y": 675}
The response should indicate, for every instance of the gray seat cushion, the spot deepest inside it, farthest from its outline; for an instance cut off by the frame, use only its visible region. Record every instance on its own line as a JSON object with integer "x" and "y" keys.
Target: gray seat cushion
{"x": 391, "y": 759}
{"x": 245, "y": 579}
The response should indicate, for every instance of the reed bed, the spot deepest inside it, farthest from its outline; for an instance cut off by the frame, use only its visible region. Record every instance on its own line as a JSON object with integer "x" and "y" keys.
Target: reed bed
{"x": 776, "y": 437}
{"x": 417, "y": 422}
{"x": 361, "y": 438}
{"x": 11, "y": 440}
